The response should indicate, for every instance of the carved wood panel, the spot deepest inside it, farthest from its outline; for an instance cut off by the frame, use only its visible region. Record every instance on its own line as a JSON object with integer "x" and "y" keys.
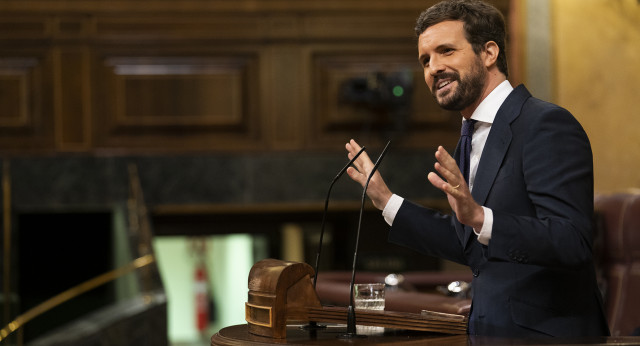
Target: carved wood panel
{"x": 165, "y": 100}
{"x": 197, "y": 75}
{"x": 25, "y": 104}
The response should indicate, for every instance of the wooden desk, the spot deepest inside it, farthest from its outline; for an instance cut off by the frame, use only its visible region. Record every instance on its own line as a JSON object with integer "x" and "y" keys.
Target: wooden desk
{"x": 239, "y": 335}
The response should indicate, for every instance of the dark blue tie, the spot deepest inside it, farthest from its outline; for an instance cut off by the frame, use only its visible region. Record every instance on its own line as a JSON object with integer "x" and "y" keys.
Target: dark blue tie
{"x": 465, "y": 147}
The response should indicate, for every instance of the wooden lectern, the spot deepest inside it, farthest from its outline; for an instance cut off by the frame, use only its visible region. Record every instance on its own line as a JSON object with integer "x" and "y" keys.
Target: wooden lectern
{"x": 281, "y": 292}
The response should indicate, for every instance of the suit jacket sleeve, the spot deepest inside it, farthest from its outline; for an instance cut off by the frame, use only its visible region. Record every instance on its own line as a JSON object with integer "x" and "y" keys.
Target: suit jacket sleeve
{"x": 428, "y": 231}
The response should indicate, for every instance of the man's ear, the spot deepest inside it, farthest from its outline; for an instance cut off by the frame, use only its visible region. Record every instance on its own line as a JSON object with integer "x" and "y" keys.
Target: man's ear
{"x": 491, "y": 51}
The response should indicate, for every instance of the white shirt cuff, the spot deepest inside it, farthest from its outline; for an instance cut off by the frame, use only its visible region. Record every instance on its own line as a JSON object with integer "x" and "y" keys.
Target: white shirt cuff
{"x": 391, "y": 209}
{"x": 485, "y": 232}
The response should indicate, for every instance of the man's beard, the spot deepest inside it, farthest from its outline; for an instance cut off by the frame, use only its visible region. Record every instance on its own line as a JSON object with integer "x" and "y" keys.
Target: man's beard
{"x": 468, "y": 91}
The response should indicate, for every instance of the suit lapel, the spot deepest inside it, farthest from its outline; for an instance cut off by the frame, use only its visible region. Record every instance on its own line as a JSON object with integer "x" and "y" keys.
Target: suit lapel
{"x": 496, "y": 147}
{"x": 494, "y": 151}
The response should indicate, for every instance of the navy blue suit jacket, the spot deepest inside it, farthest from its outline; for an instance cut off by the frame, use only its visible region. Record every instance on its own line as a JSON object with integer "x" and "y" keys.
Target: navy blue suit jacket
{"x": 536, "y": 276}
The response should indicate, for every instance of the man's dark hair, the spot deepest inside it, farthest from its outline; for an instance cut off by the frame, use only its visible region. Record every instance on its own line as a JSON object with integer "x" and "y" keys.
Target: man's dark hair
{"x": 482, "y": 23}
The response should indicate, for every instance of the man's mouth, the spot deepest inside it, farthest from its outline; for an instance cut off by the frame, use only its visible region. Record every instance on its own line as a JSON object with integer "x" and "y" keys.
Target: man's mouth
{"x": 442, "y": 84}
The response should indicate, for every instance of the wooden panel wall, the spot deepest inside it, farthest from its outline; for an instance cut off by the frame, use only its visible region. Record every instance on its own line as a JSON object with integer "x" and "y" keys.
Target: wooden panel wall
{"x": 183, "y": 76}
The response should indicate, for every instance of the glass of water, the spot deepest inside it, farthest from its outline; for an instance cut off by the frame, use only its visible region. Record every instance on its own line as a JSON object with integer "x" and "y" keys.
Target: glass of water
{"x": 369, "y": 296}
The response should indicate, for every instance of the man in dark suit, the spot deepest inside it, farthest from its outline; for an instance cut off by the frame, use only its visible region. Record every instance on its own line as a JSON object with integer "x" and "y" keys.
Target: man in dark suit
{"x": 522, "y": 214}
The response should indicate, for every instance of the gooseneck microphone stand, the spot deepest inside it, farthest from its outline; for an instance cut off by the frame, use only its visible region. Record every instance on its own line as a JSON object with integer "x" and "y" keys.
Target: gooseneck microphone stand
{"x": 351, "y": 314}
{"x": 313, "y": 324}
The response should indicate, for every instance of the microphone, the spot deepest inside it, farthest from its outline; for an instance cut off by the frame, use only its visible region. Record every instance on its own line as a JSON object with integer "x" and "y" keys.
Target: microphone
{"x": 351, "y": 314}
{"x": 326, "y": 207}
{"x": 313, "y": 324}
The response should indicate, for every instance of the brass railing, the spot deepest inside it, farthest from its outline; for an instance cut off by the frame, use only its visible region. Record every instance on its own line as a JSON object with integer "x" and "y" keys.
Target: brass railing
{"x": 138, "y": 227}
{"x": 73, "y": 292}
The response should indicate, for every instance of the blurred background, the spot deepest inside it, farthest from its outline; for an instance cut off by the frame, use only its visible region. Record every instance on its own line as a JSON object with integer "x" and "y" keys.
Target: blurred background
{"x": 172, "y": 144}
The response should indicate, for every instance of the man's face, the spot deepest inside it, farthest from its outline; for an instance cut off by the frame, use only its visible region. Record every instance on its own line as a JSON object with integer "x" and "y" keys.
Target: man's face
{"x": 453, "y": 72}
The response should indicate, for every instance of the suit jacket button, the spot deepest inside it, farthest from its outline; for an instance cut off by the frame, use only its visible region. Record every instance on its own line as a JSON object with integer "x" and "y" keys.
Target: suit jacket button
{"x": 476, "y": 272}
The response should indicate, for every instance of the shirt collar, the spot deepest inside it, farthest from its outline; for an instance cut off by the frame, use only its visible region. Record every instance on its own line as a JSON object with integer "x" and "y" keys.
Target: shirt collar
{"x": 488, "y": 108}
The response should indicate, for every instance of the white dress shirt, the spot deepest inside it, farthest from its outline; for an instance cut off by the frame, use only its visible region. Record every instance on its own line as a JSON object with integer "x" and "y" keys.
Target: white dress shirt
{"x": 485, "y": 113}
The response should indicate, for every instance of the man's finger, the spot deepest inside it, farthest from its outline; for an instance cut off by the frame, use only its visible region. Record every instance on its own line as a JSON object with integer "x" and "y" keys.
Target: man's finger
{"x": 363, "y": 163}
{"x": 359, "y": 177}
{"x": 448, "y": 175}
{"x": 443, "y": 156}
{"x": 435, "y": 180}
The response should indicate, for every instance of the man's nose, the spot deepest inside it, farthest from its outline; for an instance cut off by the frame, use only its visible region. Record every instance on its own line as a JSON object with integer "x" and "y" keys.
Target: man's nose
{"x": 435, "y": 66}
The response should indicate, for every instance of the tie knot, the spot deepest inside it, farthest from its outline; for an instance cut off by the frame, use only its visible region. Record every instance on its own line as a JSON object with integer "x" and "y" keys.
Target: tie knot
{"x": 467, "y": 127}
